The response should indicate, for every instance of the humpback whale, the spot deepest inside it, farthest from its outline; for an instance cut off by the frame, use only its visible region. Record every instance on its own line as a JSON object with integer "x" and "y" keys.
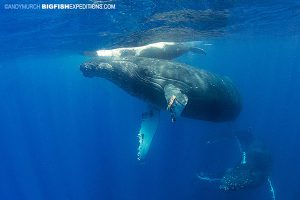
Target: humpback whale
{"x": 254, "y": 168}
{"x": 160, "y": 50}
{"x": 180, "y": 89}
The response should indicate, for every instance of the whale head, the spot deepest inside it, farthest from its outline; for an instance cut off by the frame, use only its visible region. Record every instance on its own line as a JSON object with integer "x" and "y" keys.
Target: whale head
{"x": 238, "y": 178}
{"x": 97, "y": 68}
{"x": 108, "y": 68}
{"x": 121, "y": 72}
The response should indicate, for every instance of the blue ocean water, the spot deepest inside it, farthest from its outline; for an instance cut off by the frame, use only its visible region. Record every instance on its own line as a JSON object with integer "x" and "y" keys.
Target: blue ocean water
{"x": 65, "y": 136}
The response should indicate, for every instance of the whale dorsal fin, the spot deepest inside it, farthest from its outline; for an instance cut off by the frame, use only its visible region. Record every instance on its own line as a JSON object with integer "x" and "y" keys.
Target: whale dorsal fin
{"x": 176, "y": 101}
{"x": 150, "y": 120}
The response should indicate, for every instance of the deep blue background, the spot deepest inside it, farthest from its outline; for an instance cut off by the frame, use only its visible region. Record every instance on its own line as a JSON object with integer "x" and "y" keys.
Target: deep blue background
{"x": 64, "y": 136}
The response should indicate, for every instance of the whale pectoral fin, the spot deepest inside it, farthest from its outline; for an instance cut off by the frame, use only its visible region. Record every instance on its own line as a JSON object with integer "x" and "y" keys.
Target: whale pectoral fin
{"x": 150, "y": 120}
{"x": 271, "y": 188}
{"x": 205, "y": 177}
{"x": 197, "y": 50}
{"x": 176, "y": 101}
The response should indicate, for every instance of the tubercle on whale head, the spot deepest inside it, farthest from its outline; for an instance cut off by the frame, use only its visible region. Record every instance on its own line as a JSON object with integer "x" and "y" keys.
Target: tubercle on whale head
{"x": 96, "y": 68}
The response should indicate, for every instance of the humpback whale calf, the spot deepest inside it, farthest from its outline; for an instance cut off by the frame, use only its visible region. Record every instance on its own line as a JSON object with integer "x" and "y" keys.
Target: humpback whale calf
{"x": 180, "y": 89}
{"x": 254, "y": 168}
{"x": 160, "y": 50}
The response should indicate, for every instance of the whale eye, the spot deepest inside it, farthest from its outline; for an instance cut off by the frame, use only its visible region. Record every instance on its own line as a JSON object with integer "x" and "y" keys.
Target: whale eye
{"x": 143, "y": 72}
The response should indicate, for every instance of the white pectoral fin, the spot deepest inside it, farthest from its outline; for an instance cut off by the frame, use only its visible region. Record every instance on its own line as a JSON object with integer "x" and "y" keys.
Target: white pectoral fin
{"x": 204, "y": 177}
{"x": 271, "y": 188}
{"x": 150, "y": 120}
{"x": 197, "y": 50}
{"x": 176, "y": 101}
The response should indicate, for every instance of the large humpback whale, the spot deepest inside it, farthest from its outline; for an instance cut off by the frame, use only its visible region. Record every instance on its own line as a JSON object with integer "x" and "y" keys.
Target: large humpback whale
{"x": 180, "y": 89}
{"x": 161, "y": 50}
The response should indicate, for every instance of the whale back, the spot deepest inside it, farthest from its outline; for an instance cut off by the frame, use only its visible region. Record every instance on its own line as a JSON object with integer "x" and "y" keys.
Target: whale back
{"x": 211, "y": 96}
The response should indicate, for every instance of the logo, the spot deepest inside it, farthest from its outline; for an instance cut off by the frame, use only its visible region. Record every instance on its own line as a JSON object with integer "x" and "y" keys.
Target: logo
{"x": 93, "y": 5}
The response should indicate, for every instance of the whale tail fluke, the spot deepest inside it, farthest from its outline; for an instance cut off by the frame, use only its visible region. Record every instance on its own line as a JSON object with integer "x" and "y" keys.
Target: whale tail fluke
{"x": 198, "y": 50}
